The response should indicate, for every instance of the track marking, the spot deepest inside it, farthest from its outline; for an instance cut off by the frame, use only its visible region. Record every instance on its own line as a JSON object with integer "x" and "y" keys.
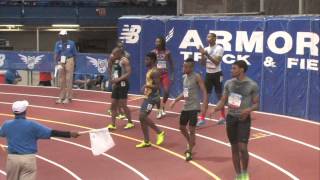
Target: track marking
{"x": 103, "y": 92}
{"x": 215, "y": 120}
{"x": 56, "y": 164}
{"x": 126, "y": 137}
{"x": 199, "y": 135}
{"x": 106, "y": 155}
{"x": 258, "y": 136}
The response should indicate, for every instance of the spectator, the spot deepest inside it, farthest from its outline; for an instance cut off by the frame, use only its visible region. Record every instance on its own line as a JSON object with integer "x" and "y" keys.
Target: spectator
{"x": 12, "y": 76}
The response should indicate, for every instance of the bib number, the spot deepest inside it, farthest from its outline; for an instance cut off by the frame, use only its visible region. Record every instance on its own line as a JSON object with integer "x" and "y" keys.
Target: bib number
{"x": 185, "y": 92}
{"x": 123, "y": 84}
{"x": 149, "y": 107}
{"x": 115, "y": 75}
{"x": 63, "y": 59}
{"x": 234, "y": 100}
{"x": 162, "y": 65}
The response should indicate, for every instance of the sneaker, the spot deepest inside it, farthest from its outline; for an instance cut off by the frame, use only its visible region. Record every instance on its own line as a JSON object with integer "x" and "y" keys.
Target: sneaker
{"x": 188, "y": 155}
{"x": 159, "y": 114}
{"x": 111, "y": 127}
{"x": 109, "y": 112}
{"x": 238, "y": 177}
{"x": 221, "y": 121}
{"x": 121, "y": 116}
{"x": 160, "y": 138}
{"x": 59, "y": 101}
{"x": 129, "y": 126}
{"x": 163, "y": 112}
{"x": 201, "y": 123}
{"x": 245, "y": 176}
{"x": 143, "y": 145}
{"x": 66, "y": 101}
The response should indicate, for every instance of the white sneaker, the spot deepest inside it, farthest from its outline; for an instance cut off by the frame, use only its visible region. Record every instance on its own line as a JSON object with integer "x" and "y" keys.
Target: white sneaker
{"x": 159, "y": 114}
{"x": 163, "y": 112}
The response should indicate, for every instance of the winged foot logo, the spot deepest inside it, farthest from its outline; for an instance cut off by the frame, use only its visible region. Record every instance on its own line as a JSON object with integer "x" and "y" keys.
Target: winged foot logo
{"x": 31, "y": 61}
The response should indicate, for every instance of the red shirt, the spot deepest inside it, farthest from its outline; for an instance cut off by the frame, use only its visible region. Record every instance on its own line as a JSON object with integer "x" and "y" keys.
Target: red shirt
{"x": 45, "y": 76}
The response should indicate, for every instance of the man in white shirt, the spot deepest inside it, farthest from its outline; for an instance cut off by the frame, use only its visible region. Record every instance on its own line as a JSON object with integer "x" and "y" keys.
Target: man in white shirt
{"x": 211, "y": 57}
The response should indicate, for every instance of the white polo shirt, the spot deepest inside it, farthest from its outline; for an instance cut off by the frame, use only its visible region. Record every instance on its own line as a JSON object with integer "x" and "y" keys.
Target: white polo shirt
{"x": 213, "y": 51}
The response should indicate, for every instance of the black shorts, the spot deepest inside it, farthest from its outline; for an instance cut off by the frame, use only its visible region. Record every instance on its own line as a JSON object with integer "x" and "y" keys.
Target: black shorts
{"x": 148, "y": 103}
{"x": 120, "y": 91}
{"x": 214, "y": 79}
{"x": 238, "y": 131}
{"x": 190, "y": 117}
{"x": 45, "y": 83}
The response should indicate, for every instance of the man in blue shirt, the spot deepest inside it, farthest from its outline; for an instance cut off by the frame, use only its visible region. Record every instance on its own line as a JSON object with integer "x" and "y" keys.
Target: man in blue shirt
{"x": 12, "y": 76}
{"x": 22, "y": 136}
{"x": 64, "y": 53}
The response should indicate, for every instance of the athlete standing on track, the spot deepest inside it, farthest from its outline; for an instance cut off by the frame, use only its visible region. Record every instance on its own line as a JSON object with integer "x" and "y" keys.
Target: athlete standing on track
{"x": 164, "y": 62}
{"x": 151, "y": 98}
{"x": 119, "y": 70}
{"x": 242, "y": 97}
{"x": 211, "y": 57}
{"x": 192, "y": 83}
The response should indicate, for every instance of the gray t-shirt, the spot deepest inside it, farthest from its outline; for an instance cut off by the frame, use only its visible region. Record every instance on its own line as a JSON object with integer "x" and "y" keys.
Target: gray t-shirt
{"x": 191, "y": 92}
{"x": 240, "y": 94}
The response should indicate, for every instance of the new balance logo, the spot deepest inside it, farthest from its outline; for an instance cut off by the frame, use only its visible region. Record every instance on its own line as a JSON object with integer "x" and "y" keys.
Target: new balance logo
{"x": 130, "y": 34}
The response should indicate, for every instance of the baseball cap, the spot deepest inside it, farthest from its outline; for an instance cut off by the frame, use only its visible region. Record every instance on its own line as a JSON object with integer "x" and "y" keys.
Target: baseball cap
{"x": 20, "y": 106}
{"x": 63, "y": 32}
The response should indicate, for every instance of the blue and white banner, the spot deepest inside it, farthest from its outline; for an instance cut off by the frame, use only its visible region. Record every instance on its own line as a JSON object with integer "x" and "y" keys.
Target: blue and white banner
{"x": 283, "y": 54}
{"x": 43, "y": 61}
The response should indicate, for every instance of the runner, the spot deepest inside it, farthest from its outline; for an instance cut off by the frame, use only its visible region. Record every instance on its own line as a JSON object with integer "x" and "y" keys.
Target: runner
{"x": 164, "y": 61}
{"x": 242, "y": 97}
{"x": 211, "y": 57}
{"x": 119, "y": 70}
{"x": 152, "y": 97}
{"x": 192, "y": 83}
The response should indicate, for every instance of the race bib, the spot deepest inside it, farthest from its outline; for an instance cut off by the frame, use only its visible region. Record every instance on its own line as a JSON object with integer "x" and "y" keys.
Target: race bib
{"x": 63, "y": 59}
{"x": 185, "y": 92}
{"x": 234, "y": 100}
{"x": 115, "y": 75}
{"x": 162, "y": 65}
{"x": 149, "y": 107}
{"x": 123, "y": 83}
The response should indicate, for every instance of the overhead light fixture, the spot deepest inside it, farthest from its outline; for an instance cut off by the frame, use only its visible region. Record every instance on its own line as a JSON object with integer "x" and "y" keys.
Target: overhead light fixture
{"x": 11, "y": 25}
{"x": 65, "y": 25}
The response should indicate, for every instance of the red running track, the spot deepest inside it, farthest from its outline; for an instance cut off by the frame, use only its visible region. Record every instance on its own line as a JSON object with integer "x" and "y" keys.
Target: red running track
{"x": 281, "y": 147}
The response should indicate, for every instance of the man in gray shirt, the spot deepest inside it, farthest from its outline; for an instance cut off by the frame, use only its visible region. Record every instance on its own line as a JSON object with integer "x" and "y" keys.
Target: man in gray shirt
{"x": 192, "y": 85}
{"x": 241, "y": 94}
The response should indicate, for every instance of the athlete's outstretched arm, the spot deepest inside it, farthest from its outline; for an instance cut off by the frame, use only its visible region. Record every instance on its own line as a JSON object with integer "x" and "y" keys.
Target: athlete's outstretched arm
{"x": 180, "y": 97}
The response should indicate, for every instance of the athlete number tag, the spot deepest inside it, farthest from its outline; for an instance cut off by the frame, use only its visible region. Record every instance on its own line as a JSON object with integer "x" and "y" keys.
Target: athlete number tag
{"x": 234, "y": 100}
{"x": 115, "y": 74}
{"x": 149, "y": 107}
{"x": 162, "y": 65}
{"x": 185, "y": 92}
{"x": 63, "y": 59}
{"x": 123, "y": 83}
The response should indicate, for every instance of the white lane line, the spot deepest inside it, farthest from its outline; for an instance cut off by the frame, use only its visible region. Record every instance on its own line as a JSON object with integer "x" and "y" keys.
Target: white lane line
{"x": 104, "y": 92}
{"x": 170, "y": 128}
{"x": 55, "y": 164}
{"x": 252, "y": 127}
{"x": 106, "y": 155}
{"x": 3, "y": 173}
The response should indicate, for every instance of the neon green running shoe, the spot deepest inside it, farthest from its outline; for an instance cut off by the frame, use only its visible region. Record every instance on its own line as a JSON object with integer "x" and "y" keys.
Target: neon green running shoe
{"x": 143, "y": 145}
{"x": 160, "y": 138}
